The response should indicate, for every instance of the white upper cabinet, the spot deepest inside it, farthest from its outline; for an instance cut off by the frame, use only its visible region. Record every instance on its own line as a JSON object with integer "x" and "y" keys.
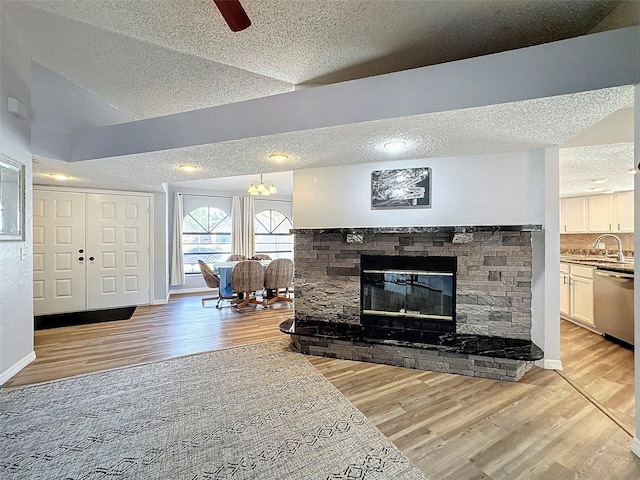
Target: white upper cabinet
{"x": 623, "y": 211}
{"x": 600, "y": 216}
{"x": 573, "y": 215}
{"x": 597, "y": 213}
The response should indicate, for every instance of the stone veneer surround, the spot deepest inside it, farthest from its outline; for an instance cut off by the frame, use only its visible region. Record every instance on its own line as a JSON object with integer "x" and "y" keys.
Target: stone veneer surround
{"x": 493, "y": 279}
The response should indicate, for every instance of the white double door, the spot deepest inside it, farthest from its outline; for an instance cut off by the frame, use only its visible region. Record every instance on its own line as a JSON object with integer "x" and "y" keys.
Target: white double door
{"x": 91, "y": 251}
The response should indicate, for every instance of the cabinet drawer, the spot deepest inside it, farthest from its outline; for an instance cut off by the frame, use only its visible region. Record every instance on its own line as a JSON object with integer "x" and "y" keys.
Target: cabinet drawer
{"x": 582, "y": 271}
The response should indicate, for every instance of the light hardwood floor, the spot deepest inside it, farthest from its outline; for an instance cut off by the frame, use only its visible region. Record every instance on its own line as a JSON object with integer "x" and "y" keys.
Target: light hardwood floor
{"x": 450, "y": 426}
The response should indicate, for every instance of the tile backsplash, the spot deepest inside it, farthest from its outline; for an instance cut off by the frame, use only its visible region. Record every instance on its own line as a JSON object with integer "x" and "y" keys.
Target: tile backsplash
{"x": 581, "y": 243}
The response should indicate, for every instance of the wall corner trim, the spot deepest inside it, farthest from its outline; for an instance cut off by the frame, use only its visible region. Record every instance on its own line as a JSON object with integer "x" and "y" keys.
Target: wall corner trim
{"x": 549, "y": 364}
{"x": 16, "y": 367}
{"x": 635, "y": 446}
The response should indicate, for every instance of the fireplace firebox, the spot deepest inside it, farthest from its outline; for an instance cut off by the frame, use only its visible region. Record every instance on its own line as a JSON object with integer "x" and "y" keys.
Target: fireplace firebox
{"x": 410, "y": 293}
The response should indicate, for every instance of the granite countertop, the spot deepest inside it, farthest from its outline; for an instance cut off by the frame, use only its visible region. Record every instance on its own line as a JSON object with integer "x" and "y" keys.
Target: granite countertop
{"x": 601, "y": 263}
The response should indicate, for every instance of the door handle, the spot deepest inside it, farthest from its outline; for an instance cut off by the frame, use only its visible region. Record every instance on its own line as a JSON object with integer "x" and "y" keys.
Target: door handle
{"x": 81, "y": 258}
{"x": 91, "y": 258}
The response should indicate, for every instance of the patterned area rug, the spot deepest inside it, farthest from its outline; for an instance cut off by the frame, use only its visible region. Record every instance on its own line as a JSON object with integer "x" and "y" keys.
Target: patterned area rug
{"x": 259, "y": 411}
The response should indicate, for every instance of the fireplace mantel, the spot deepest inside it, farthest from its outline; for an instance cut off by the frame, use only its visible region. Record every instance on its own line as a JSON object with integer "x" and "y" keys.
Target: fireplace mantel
{"x": 424, "y": 229}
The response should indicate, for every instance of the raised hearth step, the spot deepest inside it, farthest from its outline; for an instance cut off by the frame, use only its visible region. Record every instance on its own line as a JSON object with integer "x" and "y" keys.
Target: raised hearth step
{"x": 494, "y": 347}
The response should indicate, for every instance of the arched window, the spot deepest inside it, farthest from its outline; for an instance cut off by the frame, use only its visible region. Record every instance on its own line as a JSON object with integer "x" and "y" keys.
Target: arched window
{"x": 206, "y": 236}
{"x": 271, "y": 229}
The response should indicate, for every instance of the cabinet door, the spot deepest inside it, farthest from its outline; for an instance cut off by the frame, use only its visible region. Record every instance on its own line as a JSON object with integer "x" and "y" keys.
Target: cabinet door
{"x": 118, "y": 243}
{"x": 573, "y": 215}
{"x": 623, "y": 207}
{"x": 582, "y": 299}
{"x": 565, "y": 295}
{"x": 600, "y": 208}
{"x": 59, "y": 256}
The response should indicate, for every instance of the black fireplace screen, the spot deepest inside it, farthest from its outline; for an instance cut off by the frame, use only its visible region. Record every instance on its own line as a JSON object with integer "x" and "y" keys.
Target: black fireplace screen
{"x": 408, "y": 293}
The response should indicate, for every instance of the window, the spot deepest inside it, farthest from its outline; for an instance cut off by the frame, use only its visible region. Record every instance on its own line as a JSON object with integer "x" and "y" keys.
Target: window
{"x": 271, "y": 230}
{"x": 206, "y": 236}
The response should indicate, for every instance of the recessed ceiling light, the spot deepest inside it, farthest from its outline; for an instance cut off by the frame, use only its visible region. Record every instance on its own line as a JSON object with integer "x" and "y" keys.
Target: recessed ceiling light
{"x": 597, "y": 189}
{"x": 632, "y": 171}
{"x": 394, "y": 146}
{"x": 278, "y": 157}
{"x": 188, "y": 168}
{"x": 59, "y": 176}
{"x": 600, "y": 180}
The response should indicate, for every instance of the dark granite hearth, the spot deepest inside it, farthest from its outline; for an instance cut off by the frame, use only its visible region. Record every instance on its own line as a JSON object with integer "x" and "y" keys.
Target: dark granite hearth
{"x": 495, "y": 347}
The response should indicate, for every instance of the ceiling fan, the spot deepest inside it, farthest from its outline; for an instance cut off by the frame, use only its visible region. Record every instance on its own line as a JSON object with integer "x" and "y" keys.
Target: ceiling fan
{"x": 233, "y": 14}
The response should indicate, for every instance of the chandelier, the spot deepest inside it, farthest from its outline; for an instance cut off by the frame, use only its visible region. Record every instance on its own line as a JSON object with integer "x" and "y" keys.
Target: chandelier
{"x": 262, "y": 188}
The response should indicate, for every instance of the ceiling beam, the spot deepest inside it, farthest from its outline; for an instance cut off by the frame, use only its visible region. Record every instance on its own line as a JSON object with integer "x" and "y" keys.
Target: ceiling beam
{"x": 586, "y": 63}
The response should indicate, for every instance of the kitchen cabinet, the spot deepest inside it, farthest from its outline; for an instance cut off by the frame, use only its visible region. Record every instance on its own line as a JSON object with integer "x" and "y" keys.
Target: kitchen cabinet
{"x": 623, "y": 211}
{"x": 610, "y": 213}
{"x": 91, "y": 250}
{"x": 565, "y": 294}
{"x": 579, "y": 292}
{"x": 600, "y": 213}
{"x": 573, "y": 215}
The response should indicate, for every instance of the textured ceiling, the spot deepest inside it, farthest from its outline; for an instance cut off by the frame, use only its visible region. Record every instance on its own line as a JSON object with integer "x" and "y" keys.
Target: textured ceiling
{"x": 580, "y": 166}
{"x": 157, "y": 57}
{"x": 496, "y": 128}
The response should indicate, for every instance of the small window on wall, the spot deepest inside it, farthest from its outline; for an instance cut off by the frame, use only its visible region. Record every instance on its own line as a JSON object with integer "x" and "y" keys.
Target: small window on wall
{"x": 206, "y": 236}
{"x": 272, "y": 235}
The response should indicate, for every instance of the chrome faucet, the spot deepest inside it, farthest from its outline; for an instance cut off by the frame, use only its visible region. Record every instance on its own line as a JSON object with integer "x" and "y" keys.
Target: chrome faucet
{"x": 620, "y": 255}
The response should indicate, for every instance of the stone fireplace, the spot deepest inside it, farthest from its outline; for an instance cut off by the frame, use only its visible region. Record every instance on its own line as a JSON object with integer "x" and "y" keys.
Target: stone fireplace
{"x": 491, "y": 291}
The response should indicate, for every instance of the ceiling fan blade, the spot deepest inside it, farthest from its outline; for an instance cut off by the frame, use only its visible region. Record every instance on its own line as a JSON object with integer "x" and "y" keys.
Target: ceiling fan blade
{"x": 233, "y": 14}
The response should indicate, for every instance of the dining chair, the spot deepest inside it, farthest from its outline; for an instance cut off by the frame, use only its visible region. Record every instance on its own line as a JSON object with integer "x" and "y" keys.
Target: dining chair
{"x": 246, "y": 277}
{"x": 213, "y": 281}
{"x": 236, "y": 258}
{"x": 261, "y": 256}
{"x": 278, "y": 277}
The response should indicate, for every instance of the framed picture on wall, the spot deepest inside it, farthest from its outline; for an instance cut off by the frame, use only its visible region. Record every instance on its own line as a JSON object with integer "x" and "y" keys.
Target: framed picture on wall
{"x": 401, "y": 188}
{"x": 11, "y": 199}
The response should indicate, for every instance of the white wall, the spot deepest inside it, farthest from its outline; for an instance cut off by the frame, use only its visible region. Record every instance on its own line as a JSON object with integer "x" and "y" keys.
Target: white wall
{"x": 635, "y": 443}
{"x": 16, "y": 279}
{"x": 160, "y": 248}
{"x": 545, "y": 284}
{"x": 502, "y": 189}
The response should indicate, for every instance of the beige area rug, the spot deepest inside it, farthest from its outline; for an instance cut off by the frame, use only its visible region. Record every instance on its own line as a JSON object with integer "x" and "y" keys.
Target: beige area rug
{"x": 259, "y": 411}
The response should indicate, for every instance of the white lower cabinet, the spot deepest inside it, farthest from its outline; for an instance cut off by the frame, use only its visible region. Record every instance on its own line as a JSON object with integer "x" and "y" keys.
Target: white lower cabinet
{"x": 565, "y": 290}
{"x": 576, "y": 293}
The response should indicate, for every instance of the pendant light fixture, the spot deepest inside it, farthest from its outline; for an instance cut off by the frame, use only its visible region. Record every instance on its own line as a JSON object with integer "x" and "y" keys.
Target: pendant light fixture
{"x": 264, "y": 188}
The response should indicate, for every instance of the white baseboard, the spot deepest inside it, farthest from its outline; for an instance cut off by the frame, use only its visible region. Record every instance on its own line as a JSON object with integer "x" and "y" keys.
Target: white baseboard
{"x": 16, "y": 367}
{"x": 162, "y": 301}
{"x": 192, "y": 290}
{"x": 549, "y": 364}
{"x": 635, "y": 446}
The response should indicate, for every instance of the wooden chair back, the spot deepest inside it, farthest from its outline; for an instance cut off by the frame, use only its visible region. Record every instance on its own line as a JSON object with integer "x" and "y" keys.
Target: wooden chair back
{"x": 210, "y": 278}
{"x": 247, "y": 276}
{"x": 279, "y": 274}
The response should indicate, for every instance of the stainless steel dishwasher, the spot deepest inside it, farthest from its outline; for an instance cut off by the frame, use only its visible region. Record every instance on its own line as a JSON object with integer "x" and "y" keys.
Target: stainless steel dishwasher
{"x": 613, "y": 304}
